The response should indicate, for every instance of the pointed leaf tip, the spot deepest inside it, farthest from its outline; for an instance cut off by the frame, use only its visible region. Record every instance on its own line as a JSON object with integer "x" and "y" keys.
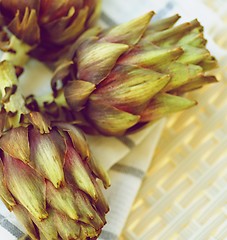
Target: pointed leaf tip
{"x": 77, "y": 172}
{"x": 26, "y": 186}
{"x": 109, "y": 120}
{"x": 15, "y": 142}
{"x": 99, "y": 171}
{"x": 163, "y": 104}
{"x": 4, "y": 191}
{"x": 47, "y": 155}
{"x": 78, "y": 139}
{"x": 92, "y": 66}
{"x": 40, "y": 122}
{"x": 23, "y": 216}
{"x": 67, "y": 227}
{"x": 77, "y": 93}
{"x": 63, "y": 200}
{"x": 129, "y": 33}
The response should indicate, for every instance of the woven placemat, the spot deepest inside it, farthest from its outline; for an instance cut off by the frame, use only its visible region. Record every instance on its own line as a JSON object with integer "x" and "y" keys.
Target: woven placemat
{"x": 184, "y": 194}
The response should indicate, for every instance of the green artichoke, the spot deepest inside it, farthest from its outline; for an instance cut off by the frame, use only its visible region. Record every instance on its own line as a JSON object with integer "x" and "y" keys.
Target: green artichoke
{"x": 133, "y": 74}
{"x": 48, "y": 176}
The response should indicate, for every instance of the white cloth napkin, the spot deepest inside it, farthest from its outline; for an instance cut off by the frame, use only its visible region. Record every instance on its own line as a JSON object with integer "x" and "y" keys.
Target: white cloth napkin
{"x": 128, "y": 158}
{"x": 126, "y": 176}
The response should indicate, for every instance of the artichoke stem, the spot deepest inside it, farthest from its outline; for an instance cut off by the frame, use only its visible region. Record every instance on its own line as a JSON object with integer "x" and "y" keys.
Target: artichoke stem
{"x": 18, "y": 55}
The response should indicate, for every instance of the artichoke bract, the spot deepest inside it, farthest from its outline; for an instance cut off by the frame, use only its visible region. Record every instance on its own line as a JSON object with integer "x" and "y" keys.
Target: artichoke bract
{"x": 49, "y": 25}
{"x": 49, "y": 181}
{"x": 136, "y": 73}
{"x": 48, "y": 176}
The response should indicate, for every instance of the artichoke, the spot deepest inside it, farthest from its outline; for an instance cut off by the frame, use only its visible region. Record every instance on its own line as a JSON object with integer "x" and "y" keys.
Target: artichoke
{"x": 134, "y": 73}
{"x": 49, "y": 25}
{"x": 48, "y": 176}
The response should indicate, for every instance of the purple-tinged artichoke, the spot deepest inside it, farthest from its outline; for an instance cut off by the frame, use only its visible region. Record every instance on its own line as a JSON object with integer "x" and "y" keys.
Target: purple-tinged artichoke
{"x": 48, "y": 176}
{"x": 134, "y": 74}
{"x": 49, "y": 25}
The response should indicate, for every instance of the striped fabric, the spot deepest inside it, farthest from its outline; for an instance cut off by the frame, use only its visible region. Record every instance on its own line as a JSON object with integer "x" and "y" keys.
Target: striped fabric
{"x": 9, "y": 229}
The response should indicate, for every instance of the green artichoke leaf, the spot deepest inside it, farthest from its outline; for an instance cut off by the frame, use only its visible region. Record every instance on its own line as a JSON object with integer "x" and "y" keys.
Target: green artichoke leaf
{"x": 162, "y": 24}
{"x": 101, "y": 203}
{"x": 99, "y": 171}
{"x": 47, "y": 227}
{"x": 180, "y": 74}
{"x": 78, "y": 139}
{"x": 66, "y": 227}
{"x": 63, "y": 200}
{"x": 23, "y": 216}
{"x": 195, "y": 38}
{"x": 95, "y": 59}
{"x": 15, "y": 143}
{"x": 195, "y": 84}
{"x": 39, "y": 121}
{"x": 130, "y": 88}
{"x": 81, "y": 146}
{"x": 77, "y": 172}
{"x": 88, "y": 231}
{"x": 86, "y": 211}
{"x": 193, "y": 55}
{"x": 150, "y": 56}
{"x": 171, "y": 36}
{"x": 77, "y": 92}
{"x": 110, "y": 120}
{"x": 163, "y": 104}
{"x": 47, "y": 155}
{"x": 4, "y": 192}
{"x": 208, "y": 63}
{"x": 128, "y": 33}
{"x": 26, "y": 186}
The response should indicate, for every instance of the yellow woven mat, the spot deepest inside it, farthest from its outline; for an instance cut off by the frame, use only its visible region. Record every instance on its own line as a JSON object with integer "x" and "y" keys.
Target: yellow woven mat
{"x": 184, "y": 195}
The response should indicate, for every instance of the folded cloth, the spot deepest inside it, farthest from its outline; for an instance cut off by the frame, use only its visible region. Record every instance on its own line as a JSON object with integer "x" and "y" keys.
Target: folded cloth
{"x": 126, "y": 176}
